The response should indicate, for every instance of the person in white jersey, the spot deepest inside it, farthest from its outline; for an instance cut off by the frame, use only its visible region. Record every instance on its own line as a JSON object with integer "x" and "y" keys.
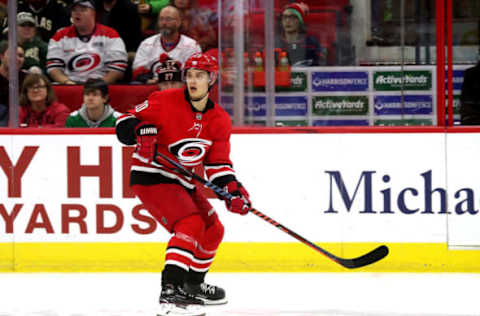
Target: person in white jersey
{"x": 168, "y": 41}
{"x": 86, "y": 49}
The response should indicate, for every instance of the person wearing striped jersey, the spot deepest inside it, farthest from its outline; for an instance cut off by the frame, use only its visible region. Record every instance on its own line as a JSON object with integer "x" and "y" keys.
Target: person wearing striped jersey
{"x": 187, "y": 126}
{"x": 168, "y": 41}
{"x": 86, "y": 49}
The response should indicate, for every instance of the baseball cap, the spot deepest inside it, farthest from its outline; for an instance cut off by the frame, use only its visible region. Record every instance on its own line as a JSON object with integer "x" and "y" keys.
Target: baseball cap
{"x": 86, "y": 3}
{"x": 24, "y": 18}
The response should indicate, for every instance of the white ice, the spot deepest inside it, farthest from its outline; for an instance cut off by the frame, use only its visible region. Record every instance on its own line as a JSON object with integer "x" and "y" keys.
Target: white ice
{"x": 249, "y": 294}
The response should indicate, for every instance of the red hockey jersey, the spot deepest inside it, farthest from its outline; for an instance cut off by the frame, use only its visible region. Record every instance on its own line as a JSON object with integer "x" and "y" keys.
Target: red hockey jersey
{"x": 185, "y": 134}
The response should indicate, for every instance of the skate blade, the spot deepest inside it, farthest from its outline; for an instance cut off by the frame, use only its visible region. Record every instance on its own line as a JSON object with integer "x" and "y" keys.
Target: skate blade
{"x": 166, "y": 309}
{"x": 207, "y": 302}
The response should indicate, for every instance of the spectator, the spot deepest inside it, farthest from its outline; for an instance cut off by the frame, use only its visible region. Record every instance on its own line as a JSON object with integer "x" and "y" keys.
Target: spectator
{"x": 470, "y": 97}
{"x": 4, "y": 79}
{"x": 302, "y": 49}
{"x": 86, "y": 49}
{"x": 50, "y": 15}
{"x": 38, "y": 105}
{"x": 35, "y": 48}
{"x": 169, "y": 74}
{"x": 112, "y": 13}
{"x": 199, "y": 24}
{"x": 169, "y": 41}
{"x": 95, "y": 110}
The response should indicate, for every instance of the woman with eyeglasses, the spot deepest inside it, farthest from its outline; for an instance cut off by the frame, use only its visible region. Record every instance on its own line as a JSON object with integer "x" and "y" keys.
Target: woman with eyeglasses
{"x": 38, "y": 105}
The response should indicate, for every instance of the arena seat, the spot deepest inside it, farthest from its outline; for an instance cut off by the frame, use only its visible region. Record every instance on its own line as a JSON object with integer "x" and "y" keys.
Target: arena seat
{"x": 122, "y": 97}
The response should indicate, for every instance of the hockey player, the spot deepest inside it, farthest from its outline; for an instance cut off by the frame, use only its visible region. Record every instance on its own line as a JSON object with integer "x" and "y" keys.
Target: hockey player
{"x": 188, "y": 127}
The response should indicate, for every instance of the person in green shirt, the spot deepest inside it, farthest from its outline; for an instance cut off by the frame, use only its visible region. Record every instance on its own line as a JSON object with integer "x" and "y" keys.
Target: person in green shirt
{"x": 35, "y": 48}
{"x": 95, "y": 110}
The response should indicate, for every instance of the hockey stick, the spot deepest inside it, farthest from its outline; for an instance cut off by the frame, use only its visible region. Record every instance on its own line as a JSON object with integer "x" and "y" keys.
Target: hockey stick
{"x": 371, "y": 257}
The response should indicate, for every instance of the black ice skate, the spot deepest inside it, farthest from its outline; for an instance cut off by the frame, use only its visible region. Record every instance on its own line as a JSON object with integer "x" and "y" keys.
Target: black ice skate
{"x": 209, "y": 294}
{"x": 175, "y": 301}
{"x": 176, "y": 295}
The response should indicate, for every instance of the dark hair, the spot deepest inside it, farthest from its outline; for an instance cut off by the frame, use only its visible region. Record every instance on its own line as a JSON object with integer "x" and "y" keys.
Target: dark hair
{"x": 30, "y": 81}
{"x": 94, "y": 84}
{"x": 4, "y": 46}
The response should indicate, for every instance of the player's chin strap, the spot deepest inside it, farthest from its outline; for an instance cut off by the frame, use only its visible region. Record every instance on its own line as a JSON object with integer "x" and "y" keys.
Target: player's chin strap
{"x": 371, "y": 257}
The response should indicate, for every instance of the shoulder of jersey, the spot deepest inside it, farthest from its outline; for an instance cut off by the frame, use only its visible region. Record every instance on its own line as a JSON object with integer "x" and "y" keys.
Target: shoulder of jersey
{"x": 221, "y": 110}
{"x": 67, "y": 31}
{"x": 103, "y": 30}
{"x": 151, "y": 39}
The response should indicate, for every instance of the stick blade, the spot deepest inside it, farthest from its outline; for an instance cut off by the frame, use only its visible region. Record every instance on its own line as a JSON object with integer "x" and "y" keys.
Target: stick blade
{"x": 373, "y": 256}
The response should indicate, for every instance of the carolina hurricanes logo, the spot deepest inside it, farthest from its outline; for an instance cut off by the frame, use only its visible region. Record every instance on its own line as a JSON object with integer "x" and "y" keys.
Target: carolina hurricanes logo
{"x": 190, "y": 151}
{"x": 83, "y": 62}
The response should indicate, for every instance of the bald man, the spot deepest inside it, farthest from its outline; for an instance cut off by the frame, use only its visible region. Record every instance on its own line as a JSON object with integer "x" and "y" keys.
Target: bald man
{"x": 169, "y": 41}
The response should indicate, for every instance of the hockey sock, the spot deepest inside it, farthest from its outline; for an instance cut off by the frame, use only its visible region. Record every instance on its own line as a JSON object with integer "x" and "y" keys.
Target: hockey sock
{"x": 174, "y": 275}
{"x": 181, "y": 248}
{"x": 205, "y": 252}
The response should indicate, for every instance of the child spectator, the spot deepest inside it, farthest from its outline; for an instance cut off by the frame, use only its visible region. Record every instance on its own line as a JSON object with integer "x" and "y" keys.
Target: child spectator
{"x": 38, "y": 105}
{"x": 302, "y": 49}
{"x": 95, "y": 110}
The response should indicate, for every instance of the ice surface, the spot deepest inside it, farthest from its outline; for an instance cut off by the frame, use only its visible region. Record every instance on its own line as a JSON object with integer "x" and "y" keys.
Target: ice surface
{"x": 249, "y": 294}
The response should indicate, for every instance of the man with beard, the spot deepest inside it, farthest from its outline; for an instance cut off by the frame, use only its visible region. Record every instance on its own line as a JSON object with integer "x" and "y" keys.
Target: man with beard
{"x": 86, "y": 49}
{"x": 50, "y": 16}
{"x": 168, "y": 41}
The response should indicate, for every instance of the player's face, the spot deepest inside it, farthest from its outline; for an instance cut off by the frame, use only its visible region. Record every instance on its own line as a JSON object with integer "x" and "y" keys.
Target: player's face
{"x": 164, "y": 85}
{"x": 94, "y": 99}
{"x": 197, "y": 82}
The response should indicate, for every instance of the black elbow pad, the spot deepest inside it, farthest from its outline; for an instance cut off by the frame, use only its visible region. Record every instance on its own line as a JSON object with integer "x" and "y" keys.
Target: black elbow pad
{"x": 125, "y": 130}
